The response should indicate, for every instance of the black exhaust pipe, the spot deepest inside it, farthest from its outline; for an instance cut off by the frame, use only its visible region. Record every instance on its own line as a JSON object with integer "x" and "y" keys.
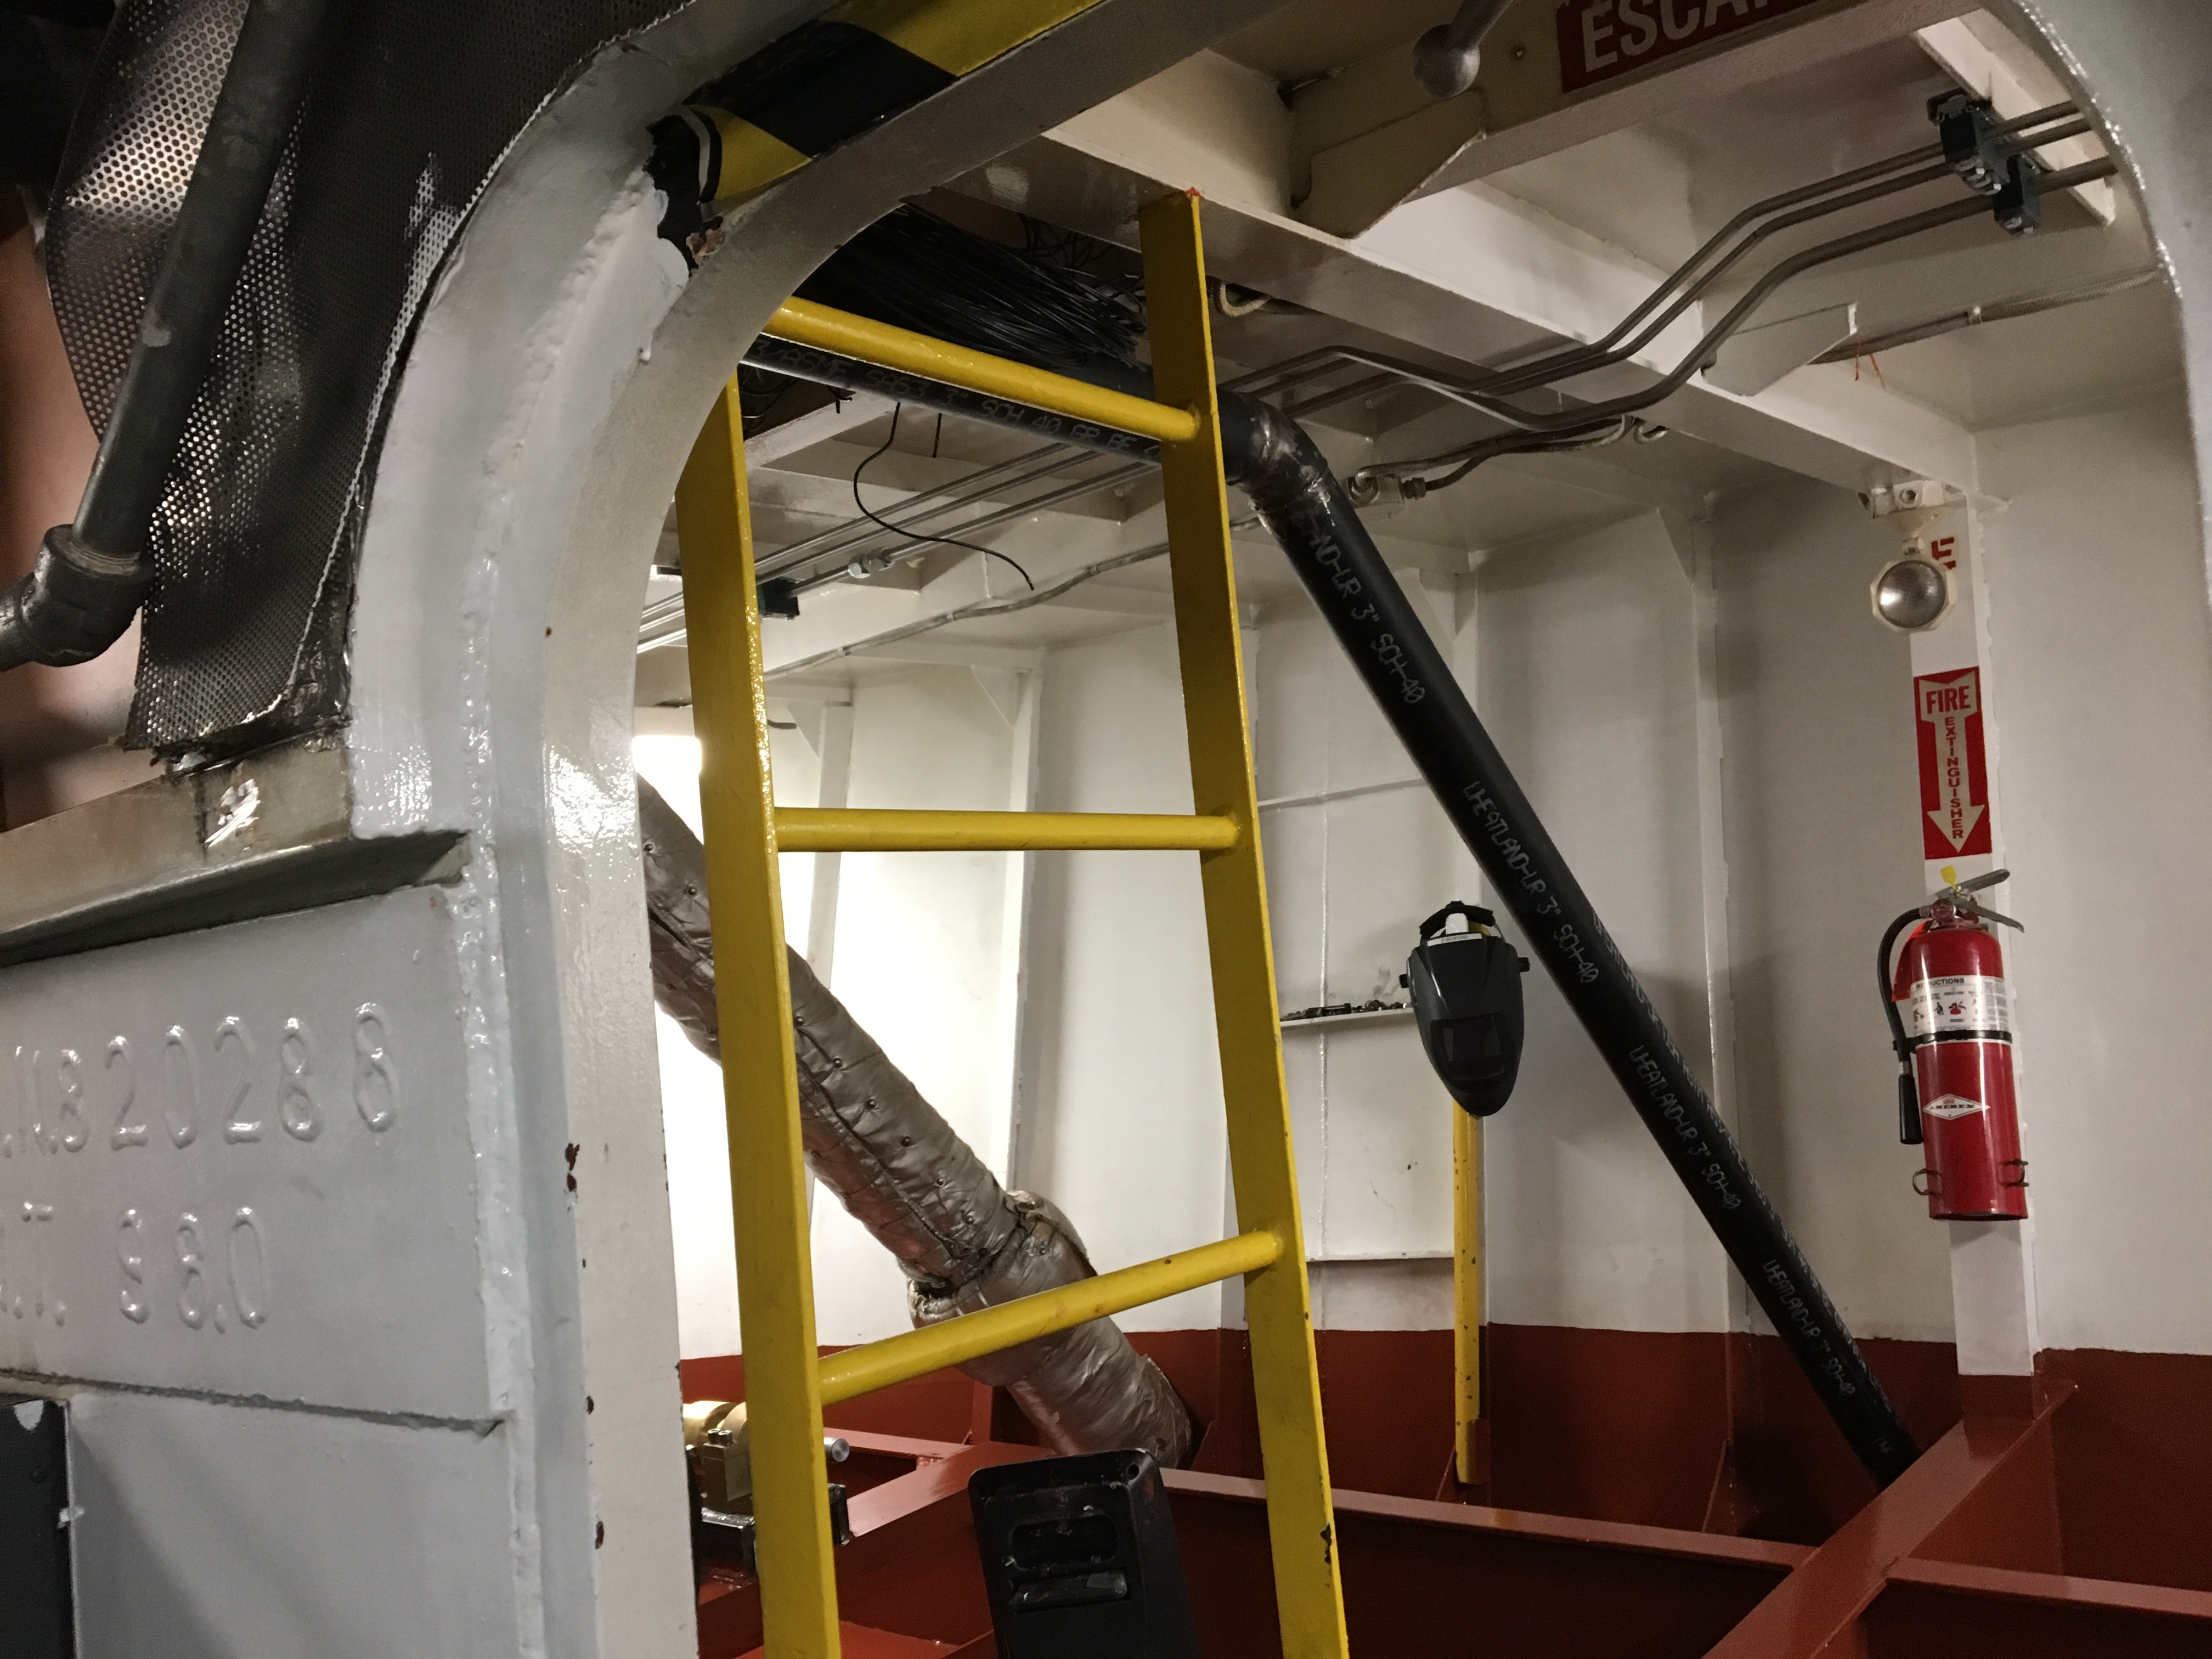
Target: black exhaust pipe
{"x": 1271, "y": 460}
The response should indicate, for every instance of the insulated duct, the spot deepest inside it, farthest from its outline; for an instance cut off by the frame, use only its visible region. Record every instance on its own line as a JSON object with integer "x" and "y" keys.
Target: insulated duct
{"x": 964, "y": 1241}
{"x": 1290, "y": 486}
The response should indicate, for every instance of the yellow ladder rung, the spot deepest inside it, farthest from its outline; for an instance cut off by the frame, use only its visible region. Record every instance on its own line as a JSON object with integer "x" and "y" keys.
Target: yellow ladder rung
{"x": 855, "y": 1372}
{"x": 855, "y": 830}
{"x": 802, "y": 322}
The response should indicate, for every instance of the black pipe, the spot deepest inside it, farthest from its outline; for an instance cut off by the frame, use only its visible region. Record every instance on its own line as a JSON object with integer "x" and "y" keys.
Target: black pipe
{"x": 91, "y": 576}
{"x": 1289, "y": 483}
{"x": 1301, "y": 503}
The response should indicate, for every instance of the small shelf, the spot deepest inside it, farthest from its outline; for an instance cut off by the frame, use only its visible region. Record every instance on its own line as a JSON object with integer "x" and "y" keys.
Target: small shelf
{"x": 1339, "y": 1022}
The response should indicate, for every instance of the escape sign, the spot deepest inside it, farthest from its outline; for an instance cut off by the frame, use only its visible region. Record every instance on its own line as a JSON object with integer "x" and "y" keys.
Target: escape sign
{"x": 1601, "y": 39}
{"x": 1954, "y": 770}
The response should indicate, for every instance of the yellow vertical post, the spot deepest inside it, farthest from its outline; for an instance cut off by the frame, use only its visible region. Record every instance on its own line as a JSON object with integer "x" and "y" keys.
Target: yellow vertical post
{"x": 1470, "y": 1435}
{"x": 760, "y": 1080}
{"x": 1302, "y": 1526}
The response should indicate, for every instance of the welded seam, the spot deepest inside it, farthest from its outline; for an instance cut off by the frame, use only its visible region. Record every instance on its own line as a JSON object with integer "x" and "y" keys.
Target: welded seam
{"x": 478, "y": 1426}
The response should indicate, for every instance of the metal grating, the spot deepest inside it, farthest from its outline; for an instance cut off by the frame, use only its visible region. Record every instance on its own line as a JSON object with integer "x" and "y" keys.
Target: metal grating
{"x": 243, "y": 640}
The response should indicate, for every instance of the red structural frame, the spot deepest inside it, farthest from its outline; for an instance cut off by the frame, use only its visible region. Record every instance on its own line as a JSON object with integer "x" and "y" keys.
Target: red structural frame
{"x": 1684, "y": 1503}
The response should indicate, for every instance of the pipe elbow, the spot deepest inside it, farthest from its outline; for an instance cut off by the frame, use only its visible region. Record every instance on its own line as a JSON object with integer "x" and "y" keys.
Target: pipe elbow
{"x": 75, "y": 603}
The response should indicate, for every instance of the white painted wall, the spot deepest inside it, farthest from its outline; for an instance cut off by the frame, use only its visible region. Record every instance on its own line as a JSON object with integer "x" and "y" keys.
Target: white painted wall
{"x": 1585, "y": 653}
{"x": 1358, "y": 854}
{"x": 2100, "y": 668}
{"x": 1120, "y": 1120}
{"x": 922, "y": 939}
{"x": 1589, "y": 683}
{"x": 1822, "y": 801}
{"x": 922, "y": 947}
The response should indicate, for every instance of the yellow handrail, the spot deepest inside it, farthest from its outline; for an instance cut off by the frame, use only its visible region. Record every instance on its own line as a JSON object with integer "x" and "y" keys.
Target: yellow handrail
{"x": 805, "y": 323}
{"x": 874, "y": 1365}
{"x": 853, "y": 829}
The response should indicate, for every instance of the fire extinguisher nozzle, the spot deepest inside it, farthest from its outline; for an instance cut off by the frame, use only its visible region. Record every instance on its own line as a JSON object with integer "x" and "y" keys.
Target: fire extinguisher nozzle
{"x": 1908, "y": 1110}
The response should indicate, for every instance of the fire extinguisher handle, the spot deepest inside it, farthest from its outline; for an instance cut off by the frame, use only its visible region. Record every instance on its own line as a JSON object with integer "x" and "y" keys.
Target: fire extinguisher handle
{"x": 1908, "y": 1109}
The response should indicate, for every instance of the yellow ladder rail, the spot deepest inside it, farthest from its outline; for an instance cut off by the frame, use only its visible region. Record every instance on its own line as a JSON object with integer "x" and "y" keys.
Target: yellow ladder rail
{"x": 760, "y": 1072}
{"x": 787, "y": 1382}
{"x": 1286, "y": 1381}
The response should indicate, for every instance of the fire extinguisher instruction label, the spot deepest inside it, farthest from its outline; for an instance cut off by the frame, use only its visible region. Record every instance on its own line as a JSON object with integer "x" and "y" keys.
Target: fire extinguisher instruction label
{"x": 1960, "y": 1002}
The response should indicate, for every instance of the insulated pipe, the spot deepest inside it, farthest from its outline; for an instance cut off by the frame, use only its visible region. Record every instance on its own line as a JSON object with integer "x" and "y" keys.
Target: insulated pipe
{"x": 1290, "y": 484}
{"x": 90, "y": 577}
{"x": 964, "y": 1241}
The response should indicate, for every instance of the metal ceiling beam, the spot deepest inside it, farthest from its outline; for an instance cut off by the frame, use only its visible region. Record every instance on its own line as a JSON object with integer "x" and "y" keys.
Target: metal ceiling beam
{"x": 1470, "y": 273}
{"x": 1367, "y": 138}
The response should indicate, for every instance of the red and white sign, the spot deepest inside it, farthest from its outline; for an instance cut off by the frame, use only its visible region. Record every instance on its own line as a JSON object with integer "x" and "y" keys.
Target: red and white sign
{"x": 1954, "y": 770}
{"x": 1601, "y": 40}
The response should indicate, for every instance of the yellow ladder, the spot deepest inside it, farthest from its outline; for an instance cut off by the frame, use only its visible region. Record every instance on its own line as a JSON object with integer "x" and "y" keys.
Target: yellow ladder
{"x": 786, "y": 1382}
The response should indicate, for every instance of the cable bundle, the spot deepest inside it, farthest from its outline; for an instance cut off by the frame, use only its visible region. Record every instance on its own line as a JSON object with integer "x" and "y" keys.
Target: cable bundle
{"x": 915, "y": 270}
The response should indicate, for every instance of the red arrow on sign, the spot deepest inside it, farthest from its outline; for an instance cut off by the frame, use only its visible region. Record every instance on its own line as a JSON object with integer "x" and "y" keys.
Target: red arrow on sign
{"x": 1955, "y": 784}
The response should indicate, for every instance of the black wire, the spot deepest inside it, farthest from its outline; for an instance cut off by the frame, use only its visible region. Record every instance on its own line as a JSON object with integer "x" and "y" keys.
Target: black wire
{"x": 913, "y": 536}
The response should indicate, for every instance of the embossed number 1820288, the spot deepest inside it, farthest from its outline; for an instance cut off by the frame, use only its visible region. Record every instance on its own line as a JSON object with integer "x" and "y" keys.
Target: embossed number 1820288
{"x": 212, "y": 1266}
{"x": 56, "y": 1108}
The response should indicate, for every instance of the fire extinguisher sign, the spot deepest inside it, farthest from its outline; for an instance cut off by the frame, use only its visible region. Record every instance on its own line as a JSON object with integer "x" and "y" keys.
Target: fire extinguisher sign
{"x": 1954, "y": 771}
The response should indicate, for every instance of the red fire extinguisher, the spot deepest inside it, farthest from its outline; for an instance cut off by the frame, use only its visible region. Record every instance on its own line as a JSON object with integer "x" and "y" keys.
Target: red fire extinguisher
{"x": 1950, "y": 1019}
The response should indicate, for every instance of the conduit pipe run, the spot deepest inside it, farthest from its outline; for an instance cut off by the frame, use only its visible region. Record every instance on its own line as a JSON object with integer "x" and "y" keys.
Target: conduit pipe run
{"x": 1290, "y": 486}
{"x": 964, "y": 1241}
{"x": 91, "y": 576}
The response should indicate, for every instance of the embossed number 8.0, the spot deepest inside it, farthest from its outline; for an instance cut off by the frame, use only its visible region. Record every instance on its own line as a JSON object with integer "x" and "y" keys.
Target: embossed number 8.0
{"x": 199, "y": 1293}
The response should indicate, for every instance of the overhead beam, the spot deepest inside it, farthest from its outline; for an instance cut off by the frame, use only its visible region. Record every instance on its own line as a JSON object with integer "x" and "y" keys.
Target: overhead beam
{"x": 1470, "y": 273}
{"x": 1991, "y": 62}
{"x": 1367, "y": 138}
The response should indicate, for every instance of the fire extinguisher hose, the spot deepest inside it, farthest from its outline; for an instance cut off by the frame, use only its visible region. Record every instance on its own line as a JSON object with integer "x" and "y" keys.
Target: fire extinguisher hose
{"x": 1908, "y": 1093}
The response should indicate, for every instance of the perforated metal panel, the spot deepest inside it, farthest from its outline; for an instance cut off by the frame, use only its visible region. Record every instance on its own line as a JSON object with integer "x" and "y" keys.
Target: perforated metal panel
{"x": 243, "y": 640}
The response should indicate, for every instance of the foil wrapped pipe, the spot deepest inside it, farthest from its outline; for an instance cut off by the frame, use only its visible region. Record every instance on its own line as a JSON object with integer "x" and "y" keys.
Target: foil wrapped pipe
{"x": 964, "y": 1241}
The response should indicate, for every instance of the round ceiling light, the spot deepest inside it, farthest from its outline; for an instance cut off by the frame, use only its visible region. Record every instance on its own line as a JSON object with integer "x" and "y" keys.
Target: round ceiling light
{"x": 1912, "y": 595}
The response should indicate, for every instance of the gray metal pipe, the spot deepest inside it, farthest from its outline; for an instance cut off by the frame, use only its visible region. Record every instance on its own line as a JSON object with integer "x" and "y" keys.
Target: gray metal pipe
{"x": 91, "y": 576}
{"x": 1449, "y": 57}
{"x": 965, "y": 1243}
